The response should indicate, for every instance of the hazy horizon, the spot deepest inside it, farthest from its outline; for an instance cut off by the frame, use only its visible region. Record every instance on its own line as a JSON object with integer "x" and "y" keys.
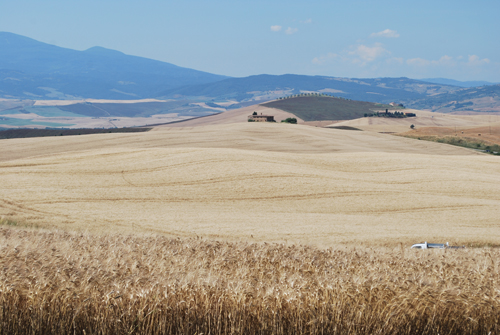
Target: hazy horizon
{"x": 355, "y": 39}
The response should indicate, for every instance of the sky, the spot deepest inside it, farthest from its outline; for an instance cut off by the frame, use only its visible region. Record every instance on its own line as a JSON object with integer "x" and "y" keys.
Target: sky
{"x": 359, "y": 39}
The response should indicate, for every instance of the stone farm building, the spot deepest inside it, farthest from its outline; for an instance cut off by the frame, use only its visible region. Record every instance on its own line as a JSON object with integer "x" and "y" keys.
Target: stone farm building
{"x": 261, "y": 118}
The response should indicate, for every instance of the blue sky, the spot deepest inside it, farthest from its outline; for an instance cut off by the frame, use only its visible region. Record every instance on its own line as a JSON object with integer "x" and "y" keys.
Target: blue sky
{"x": 384, "y": 38}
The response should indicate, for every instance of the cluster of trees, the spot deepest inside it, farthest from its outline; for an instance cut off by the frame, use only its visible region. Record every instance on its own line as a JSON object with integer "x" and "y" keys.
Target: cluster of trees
{"x": 310, "y": 95}
{"x": 386, "y": 114}
{"x": 290, "y": 120}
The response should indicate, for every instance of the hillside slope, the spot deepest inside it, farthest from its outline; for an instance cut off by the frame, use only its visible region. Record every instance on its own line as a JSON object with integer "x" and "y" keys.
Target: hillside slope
{"x": 467, "y": 100}
{"x": 254, "y": 182}
{"x": 423, "y": 119}
{"x": 317, "y": 108}
{"x": 273, "y": 137}
{"x": 29, "y": 69}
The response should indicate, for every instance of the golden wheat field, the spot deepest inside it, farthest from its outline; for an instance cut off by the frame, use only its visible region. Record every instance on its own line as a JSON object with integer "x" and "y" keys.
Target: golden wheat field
{"x": 271, "y": 183}
{"x": 61, "y": 283}
{"x": 247, "y": 228}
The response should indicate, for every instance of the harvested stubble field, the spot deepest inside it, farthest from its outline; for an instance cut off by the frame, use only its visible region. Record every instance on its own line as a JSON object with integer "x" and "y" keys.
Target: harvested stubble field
{"x": 61, "y": 283}
{"x": 264, "y": 182}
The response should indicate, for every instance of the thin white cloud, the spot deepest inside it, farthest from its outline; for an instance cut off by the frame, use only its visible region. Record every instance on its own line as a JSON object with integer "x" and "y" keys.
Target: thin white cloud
{"x": 324, "y": 58}
{"x": 367, "y": 54}
{"x": 307, "y": 21}
{"x": 388, "y": 33}
{"x": 360, "y": 55}
{"x": 445, "y": 60}
{"x": 475, "y": 60}
{"x": 276, "y": 28}
{"x": 472, "y": 60}
{"x": 418, "y": 62}
{"x": 291, "y": 31}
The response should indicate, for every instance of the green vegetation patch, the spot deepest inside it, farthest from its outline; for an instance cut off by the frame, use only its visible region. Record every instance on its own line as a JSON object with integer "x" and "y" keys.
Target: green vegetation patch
{"x": 28, "y": 122}
{"x": 4, "y": 221}
{"x": 320, "y": 107}
{"x": 23, "y": 133}
{"x": 291, "y": 120}
{"x": 465, "y": 142}
{"x": 51, "y": 111}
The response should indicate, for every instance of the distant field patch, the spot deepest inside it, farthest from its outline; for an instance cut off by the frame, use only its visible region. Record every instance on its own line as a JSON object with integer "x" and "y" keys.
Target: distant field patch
{"x": 140, "y": 109}
{"x": 5, "y": 121}
{"x": 50, "y": 111}
{"x": 316, "y": 108}
{"x": 10, "y": 112}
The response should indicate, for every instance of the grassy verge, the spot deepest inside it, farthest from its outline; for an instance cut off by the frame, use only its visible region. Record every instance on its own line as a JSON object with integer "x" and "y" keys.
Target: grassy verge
{"x": 61, "y": 283}
{"x": 465, "y": 142}
{"x": 15, "y": 223}
{"x": 8, "y": 222}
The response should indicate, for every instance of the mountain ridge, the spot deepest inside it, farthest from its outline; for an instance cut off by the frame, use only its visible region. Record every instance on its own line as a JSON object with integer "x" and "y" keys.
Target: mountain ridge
{"x": 94, "y": 73}
{"x": 383, "y": 90}
{"x": 467, "y": 83}
{"x": 34, "y": 70}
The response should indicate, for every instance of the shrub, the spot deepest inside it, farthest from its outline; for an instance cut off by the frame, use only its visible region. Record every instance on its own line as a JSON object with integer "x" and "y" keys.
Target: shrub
{"x": 290, "y": 120}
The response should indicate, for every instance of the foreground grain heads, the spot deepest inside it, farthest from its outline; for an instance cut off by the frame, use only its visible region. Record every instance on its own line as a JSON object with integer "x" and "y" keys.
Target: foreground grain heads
{"x": 55, "y": 282}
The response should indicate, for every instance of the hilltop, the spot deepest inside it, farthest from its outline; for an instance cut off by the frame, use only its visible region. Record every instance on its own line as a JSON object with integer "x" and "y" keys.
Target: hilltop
{"x": 322, "y": 107}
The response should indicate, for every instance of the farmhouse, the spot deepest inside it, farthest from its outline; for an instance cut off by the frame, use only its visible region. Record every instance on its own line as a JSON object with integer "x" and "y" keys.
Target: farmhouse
{"x": 261, "y": 118}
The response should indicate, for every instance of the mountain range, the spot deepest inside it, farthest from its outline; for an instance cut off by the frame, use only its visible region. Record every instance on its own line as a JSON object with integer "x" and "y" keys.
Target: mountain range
{"x": 267, "y": 87}
{"x": 33, "y": 70}
{"x": 36, "y": 70}
{"x": 445, "y": 81}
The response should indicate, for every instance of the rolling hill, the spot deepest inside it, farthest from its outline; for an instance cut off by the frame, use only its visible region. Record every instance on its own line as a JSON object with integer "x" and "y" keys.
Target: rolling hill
{"x": 272, "y": 181}
{"x": 36, "y": 70}
{"x": 317, "y": 108}
{"x": 466, "y": 100}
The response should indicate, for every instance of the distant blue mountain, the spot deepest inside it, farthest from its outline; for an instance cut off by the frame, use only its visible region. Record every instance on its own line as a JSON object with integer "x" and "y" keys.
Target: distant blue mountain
{"x": 383, "y": 90}
{"x": 32, "y": 69}
{"x": 445, "y": 81}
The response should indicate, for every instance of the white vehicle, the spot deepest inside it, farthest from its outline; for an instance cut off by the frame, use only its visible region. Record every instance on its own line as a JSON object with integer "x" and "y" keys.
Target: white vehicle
{"x": 426, "y": 245}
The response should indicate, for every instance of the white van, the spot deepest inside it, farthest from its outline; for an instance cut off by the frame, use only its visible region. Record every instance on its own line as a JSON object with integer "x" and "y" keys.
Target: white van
{"x": 426, "y": 245}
